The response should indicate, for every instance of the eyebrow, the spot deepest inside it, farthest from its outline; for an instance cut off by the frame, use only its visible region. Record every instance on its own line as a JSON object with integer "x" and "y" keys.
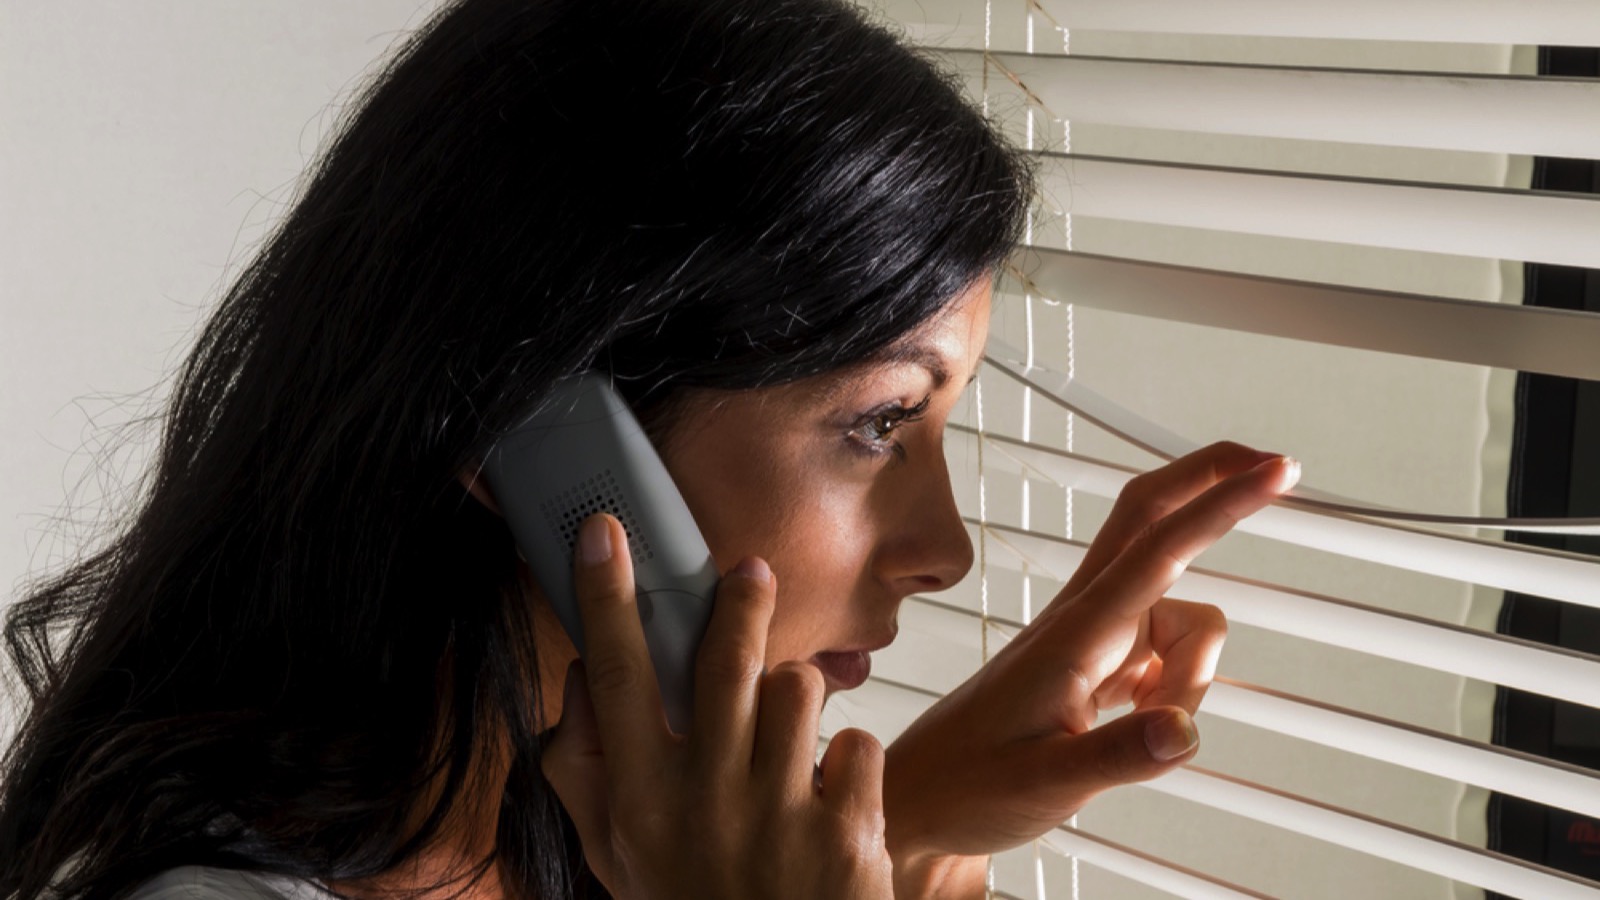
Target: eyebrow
{"x": 921, "y": 355}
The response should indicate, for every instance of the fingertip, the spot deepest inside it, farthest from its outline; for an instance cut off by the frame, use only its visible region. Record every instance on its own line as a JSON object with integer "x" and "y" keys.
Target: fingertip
{"x": 852, "y": 767}
{"x": 1283, "y": 471}
{"x": 1291, "y": 476}
{"x": 1171, "y": 735}
{"x": 594, "y": 540}
{"x": 754, "y": 568}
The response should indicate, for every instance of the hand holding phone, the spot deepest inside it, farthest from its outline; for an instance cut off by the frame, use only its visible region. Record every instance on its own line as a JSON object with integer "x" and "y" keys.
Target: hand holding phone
{"x": 583, "y": 452}
{"x": 739, "y": 808}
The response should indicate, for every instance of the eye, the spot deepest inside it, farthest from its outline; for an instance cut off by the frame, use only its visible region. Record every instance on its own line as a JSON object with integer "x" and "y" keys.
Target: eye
{"x": 873, "y": 432}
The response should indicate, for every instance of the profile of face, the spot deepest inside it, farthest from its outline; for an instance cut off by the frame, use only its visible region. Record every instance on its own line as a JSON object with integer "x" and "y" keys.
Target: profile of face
{"x": 839, "y": 482}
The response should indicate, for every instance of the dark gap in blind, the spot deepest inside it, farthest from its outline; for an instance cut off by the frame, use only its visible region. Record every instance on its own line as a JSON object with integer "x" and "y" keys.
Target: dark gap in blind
{"x": 1555, "y": 471}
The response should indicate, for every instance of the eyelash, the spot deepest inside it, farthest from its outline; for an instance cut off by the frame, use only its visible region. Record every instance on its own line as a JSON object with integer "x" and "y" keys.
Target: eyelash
{"x": 871, "y": 432}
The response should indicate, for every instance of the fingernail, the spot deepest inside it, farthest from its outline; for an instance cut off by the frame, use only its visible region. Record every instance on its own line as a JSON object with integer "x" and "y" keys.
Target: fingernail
{"x": 1171, "y": 736}
{"x": 1291, "y": 473}
{"x": 1288, "y": 469}
{"x": 594, "y": 540}
{"x": 753, "y": 567}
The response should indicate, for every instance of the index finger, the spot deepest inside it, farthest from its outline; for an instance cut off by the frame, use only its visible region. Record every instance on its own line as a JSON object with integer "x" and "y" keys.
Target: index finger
{"x": 1150, "y": 497}
{"x": 1154, "y": 559}
{"x": 622, "y": 682}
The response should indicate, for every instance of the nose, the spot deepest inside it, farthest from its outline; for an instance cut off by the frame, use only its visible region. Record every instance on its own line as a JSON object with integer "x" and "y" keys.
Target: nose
{"x": 923, "y": 545}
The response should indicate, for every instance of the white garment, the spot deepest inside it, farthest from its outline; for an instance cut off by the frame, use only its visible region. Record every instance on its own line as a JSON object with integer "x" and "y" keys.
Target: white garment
{"x": 203, "y": 883}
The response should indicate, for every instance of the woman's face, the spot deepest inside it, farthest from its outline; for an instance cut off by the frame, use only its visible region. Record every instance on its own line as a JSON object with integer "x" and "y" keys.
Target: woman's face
{"x": 839, "y": 483}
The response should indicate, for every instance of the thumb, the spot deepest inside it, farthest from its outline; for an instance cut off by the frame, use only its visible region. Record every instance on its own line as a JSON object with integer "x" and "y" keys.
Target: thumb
{"x": 1136, "y": 747}
{"x": 574, "y": 764}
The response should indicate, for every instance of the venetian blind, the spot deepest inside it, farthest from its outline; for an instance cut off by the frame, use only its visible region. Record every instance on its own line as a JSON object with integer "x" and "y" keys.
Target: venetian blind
{"x": 1301, "y": 226}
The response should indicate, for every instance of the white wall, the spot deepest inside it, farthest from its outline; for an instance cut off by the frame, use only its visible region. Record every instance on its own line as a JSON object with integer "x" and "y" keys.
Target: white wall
{"x": 142, "y": 148}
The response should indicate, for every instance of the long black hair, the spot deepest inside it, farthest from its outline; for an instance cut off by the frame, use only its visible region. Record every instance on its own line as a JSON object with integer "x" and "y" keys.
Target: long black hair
{"x": 305, "y": 626}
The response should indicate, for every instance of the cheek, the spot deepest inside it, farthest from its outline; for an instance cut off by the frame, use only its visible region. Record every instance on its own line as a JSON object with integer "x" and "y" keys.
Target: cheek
{"x": 821, "y": 561}
{"x": 778, "y": 500}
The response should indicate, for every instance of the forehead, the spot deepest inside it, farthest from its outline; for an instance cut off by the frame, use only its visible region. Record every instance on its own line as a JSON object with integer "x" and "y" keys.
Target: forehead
{"x": 948, "y": 347}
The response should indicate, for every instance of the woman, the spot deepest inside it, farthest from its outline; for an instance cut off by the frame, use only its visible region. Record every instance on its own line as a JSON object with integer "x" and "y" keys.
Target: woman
{"x": 313, "y": 655}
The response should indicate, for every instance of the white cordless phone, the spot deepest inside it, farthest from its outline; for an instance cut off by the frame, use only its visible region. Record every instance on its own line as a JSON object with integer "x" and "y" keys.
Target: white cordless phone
{"x": 583, "y": 452}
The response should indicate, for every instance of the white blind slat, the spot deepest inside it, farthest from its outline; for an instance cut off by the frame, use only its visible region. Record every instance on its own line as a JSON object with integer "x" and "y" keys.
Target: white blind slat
{"x": 1447, "y": 756}
{"x": 1447, "y": 111}
{"x": 1497, "y": 659}
{"x": 1552, "y": 23}
{"x": 1074, "y": 396}
{"x": 1396, "y": 843}
{"x": 1514, "y": 567}
{"x": 1495, "y": 223}
{"x": 1142, "y": 867}
{"x": 1525, "y": 338}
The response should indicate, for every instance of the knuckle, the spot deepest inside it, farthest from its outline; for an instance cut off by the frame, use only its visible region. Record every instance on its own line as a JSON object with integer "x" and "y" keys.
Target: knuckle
{"x": 1110, "y": 769}
{"x": 1152, "y": 541}
{"x": 1230, "y": 519}
{"x": 1211, "y": 620}
{"x": 1227, "y": 448}
{"x": 1148, "y": 535}
{"x": 729, "y": 662}
{"x": 599, "y": 590}
{"x": 1081, "y": 688}
{"x": 1143, "y": 497}
{"x": 640, "y": 835}
{"x": 602, "y": 588}
{"x": 856, "y": 837}
{"x": 862, "y": 850}
{"x": 613, "y": 675}
{"x": 1137, "y": 487}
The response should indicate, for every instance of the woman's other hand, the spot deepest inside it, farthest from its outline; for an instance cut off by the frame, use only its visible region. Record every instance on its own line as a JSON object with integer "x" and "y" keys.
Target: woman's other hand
{"x": 737, "y": 808}
{"x": 1013, "y": 751}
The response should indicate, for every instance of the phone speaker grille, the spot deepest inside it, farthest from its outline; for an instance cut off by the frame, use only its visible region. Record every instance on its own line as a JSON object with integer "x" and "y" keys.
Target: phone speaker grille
{"x": 600, "y": 492}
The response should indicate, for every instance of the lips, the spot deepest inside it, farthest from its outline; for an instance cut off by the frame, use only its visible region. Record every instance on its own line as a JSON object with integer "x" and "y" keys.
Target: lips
{"x": 844, "y": 671}
{"x": 848, "y": 669}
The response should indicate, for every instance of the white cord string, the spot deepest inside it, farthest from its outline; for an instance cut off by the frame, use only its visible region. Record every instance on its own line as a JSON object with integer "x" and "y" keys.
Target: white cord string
{"x": 1066, "y": 147}
{"x": 983, "y": 499}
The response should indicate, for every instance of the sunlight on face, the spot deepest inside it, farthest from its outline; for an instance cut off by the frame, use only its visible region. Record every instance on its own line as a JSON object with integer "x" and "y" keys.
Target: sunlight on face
{"x": 839, "y": 482}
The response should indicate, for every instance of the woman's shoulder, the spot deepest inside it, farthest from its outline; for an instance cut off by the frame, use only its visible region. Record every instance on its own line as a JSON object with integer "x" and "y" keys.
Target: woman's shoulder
{"x": 204, "y": 883}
